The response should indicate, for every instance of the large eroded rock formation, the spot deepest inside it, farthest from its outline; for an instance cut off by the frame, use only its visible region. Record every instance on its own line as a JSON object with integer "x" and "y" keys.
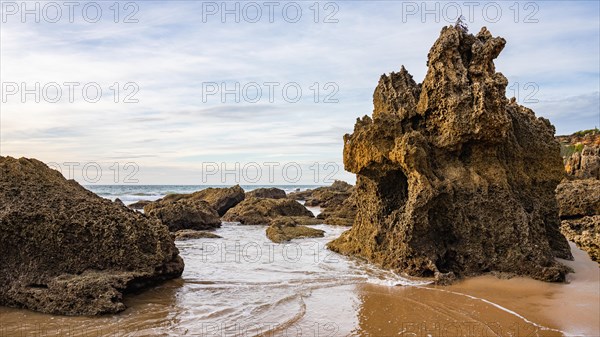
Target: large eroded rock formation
{"x": 64, "y": 250}
{"x": 452, "y": 177}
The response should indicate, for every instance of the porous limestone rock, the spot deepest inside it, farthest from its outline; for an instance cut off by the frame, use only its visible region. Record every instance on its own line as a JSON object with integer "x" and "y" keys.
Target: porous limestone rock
{"x": 452, "y": 177}
{"x": 581, "y": 154}
{"x": 184, "y": 213}
{"x": 578, "y": 198}
{"x": 585, "y": 232}
{"x": 221, "y": 199}
{"x": 284, "y": 229}
{"x": 65, "y": 250}
{"x": 271, "y": 192}
{"x": 261, "y": 211}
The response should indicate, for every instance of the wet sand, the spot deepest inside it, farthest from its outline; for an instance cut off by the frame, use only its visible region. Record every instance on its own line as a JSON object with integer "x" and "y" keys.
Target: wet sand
{"x": 481, "y": 306}
{"x": 330, "y": 296}
{"x": 573, "y": 308}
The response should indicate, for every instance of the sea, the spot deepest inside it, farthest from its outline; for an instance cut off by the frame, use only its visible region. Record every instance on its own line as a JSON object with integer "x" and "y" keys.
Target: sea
{"x": 129, "y": 194}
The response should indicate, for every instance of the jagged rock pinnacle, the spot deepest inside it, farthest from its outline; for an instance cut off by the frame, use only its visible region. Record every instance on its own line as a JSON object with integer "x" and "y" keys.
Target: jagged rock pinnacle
{"x": 452, "y": 178}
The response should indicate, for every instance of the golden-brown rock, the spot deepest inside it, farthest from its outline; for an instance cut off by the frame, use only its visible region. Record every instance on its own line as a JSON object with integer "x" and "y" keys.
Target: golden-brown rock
{"x": 578, "y": 198}
{"x": 220, "y": 199}
{"x": 271, "y": 192}
{"x": 184, "y": 213}
{"x": 261, "y": 211}
{"x": 585, "y": 232}
{"x": 451, "y": 176}
{"x": 337, "y": 204}
{"x": 581, "y": 154}
{"x": 284, "y": 229}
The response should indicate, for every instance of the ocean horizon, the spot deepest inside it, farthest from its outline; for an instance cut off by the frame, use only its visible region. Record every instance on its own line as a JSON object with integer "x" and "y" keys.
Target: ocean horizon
{"x": 134, "y": 192}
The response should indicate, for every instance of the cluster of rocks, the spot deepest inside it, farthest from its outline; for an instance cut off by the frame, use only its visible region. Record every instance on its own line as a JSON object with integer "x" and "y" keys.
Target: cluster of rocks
{"x": 454, "y": 179}
{"x": 286, "y": 218}
{"x": 189, "y": 215}
{"x": 337, "y": 202}
{"x": 64, "y": 250}
{"x": 200, "y": 210}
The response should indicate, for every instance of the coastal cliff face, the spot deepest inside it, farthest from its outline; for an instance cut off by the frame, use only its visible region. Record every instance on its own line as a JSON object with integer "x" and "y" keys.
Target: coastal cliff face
{"x": 581, "y": 154}
{"x": 453, "y": 179}
{"x": 64, "y": 250}
{"x": 578, "y": 194}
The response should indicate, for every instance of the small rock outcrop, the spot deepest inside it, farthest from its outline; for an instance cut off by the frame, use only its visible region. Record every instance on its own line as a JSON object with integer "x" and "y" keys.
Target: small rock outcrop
{"x": 452, "y": 177}
{"x": 139, "y": 204}
{"x": 65, "y": 250}
{"x": 578, "y": 198}
{"x": 189, "y": 234}
{"x": 324, "y": 196}
{"x": 285, "y": 229}
{"x": 337, "y": 204}
{"x": 271, "y": 192}
{"x": 220, "y": 199}
{"x": 184, "y": 213}
{"x": 579, "y": 204}
{"x": 585, "y": 233}
{"x": 261, "y": 211}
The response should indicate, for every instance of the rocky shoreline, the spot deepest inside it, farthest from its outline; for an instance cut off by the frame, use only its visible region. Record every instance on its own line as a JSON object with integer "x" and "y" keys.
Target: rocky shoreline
{"x": 453, "y": 180}
{"x": 68, "y": 251}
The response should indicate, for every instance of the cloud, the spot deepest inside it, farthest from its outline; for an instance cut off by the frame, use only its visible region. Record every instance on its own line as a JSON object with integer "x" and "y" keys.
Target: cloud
{"x": 171, "y": 52}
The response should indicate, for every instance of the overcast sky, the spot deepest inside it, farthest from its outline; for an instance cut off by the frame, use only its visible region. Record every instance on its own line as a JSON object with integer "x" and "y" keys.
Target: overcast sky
{"x": 172, "y": 62}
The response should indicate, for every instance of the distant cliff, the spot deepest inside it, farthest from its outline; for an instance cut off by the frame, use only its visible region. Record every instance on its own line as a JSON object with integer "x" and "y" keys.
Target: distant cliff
{"x": 579, "y": 194}
{"x": 581, "y": 154}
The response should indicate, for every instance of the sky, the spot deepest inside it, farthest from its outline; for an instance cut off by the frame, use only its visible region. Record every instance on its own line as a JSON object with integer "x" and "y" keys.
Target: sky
{"x": 232, "y": 92}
